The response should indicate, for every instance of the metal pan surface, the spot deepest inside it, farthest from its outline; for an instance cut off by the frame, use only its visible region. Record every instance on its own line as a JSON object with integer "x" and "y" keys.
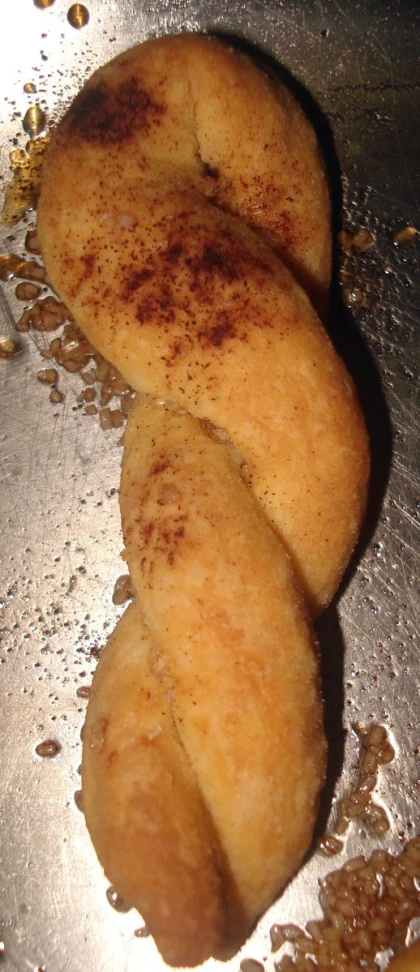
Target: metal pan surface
{"x": 357, "y": 69}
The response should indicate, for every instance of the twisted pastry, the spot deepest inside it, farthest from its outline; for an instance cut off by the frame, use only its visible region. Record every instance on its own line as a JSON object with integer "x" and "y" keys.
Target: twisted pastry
{"x": 235, "y": 669}
{"x": 199, "y": 190}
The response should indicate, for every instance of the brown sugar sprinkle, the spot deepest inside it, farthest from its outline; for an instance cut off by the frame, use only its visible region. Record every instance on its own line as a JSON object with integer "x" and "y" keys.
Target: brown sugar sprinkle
{"x": 8, "y": 348}
{"x": 48, "y": 748}
{"x": 280, "y": 934}
{"x": 111, "y": 418}
{"x": 353, "y": 297}
{"x": 30, "y": 318}
{"x": 116, "y": 900}
{"x": 78, "y": 799}
{"x": 32, "y": 242}
{"x": 88, "y": 377}
{"x": 87, "y": 395}
{"x": 31, "y": 271}
{"x": 102, "y": 370}
{"x": 48, "y": 376}
{"x": 10, "y": 265}
{"x": 359, "y": 804}
{"x": 126, "y": 403}
{"x": 117, "y": 418}
{"x": 367, "y": 908}
{"x": 71, "y": 350}
{"x": 345, "y": 242}
{"x": 52, "y": 350}
{"x": 352, "y": 242}
{"x": 23, "y": 190}
{"x": 75, "y": 350}
{"x": 83, "y": 691}
{"x": 46, "y": 314}
{"x": 329, "y": 846}
{"x": 123, "y": 590}
{"x": 361, "y": 239}
{"x": 251, "y": 965}
{"x": 112, "y": 383}
{"x": 404, "y": 236}
{"x": 105, "y": 419}
{"x": 13, "y": 266}
{"x": 27, "y": 291}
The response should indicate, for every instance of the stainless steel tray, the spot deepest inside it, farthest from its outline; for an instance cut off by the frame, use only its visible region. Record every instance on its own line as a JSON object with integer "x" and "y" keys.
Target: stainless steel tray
{"x": 60, "y": 527}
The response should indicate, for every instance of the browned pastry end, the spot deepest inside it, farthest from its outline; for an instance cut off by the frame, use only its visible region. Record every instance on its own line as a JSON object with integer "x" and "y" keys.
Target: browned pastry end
{"x": 142, "y": 803}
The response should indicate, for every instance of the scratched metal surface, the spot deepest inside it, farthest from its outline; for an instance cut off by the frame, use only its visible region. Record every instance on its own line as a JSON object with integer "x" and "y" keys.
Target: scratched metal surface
{"x": 60, "y": 529}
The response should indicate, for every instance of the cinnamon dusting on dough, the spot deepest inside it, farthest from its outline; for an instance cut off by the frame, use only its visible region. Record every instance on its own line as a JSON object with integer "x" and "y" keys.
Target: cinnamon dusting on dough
{"x": 112, "y": 116}
{"x": 200, "y": 313}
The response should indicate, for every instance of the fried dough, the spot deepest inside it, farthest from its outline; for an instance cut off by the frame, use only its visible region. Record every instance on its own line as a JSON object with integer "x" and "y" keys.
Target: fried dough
{"x": 142, "y": 803}
{"x": 184, "y": 218}
{"x": 233, "y": 663}
{"x": 177, "y": 287}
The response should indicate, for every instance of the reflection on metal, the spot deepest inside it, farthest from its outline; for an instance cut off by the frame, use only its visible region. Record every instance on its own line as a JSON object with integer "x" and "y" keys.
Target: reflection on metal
{"x": 60, "y": 526}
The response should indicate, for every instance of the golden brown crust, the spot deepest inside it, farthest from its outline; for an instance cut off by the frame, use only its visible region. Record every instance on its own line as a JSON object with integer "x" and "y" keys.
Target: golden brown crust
{"x": 220, "y": 599}
{"x": 192, "y": 104}
{"x": 178, "y": 194}
{"x": 204, "y": 752}
{"x": 160, "y": 263}
{"x": 143, "y": 807}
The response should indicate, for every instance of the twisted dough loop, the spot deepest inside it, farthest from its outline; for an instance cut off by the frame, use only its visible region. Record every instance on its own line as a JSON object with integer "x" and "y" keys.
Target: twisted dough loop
{"x": 198, "y": 180}
{"x": 234, "y": 661}
{"x": 174, "y": 283}
{"x": 143, "y": 806}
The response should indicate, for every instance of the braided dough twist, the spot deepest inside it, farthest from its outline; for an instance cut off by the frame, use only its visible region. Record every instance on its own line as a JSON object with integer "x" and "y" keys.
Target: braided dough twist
{"x": 201, "y": 210}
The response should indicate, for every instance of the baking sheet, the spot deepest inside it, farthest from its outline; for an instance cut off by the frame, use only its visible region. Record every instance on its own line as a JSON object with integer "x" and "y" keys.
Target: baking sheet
{"x": 60, "y": 527}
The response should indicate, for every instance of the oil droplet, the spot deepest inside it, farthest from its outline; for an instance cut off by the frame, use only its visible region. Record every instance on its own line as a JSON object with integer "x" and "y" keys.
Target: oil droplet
{"x": 13, "y": 266}
{"x": 48, "y": 748}
{"x": 43, "y": 4}
{"x": 34, "y": 121}
{"x": 142, "y": 932}
{"x": 277, "y": 937}
{"x": 78, "y": 15}
{"x": 406, "y": 235}
{"x": 9, "y": 266}
{"x": 116, "y": 901}
{"x": 29, "y": 88}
